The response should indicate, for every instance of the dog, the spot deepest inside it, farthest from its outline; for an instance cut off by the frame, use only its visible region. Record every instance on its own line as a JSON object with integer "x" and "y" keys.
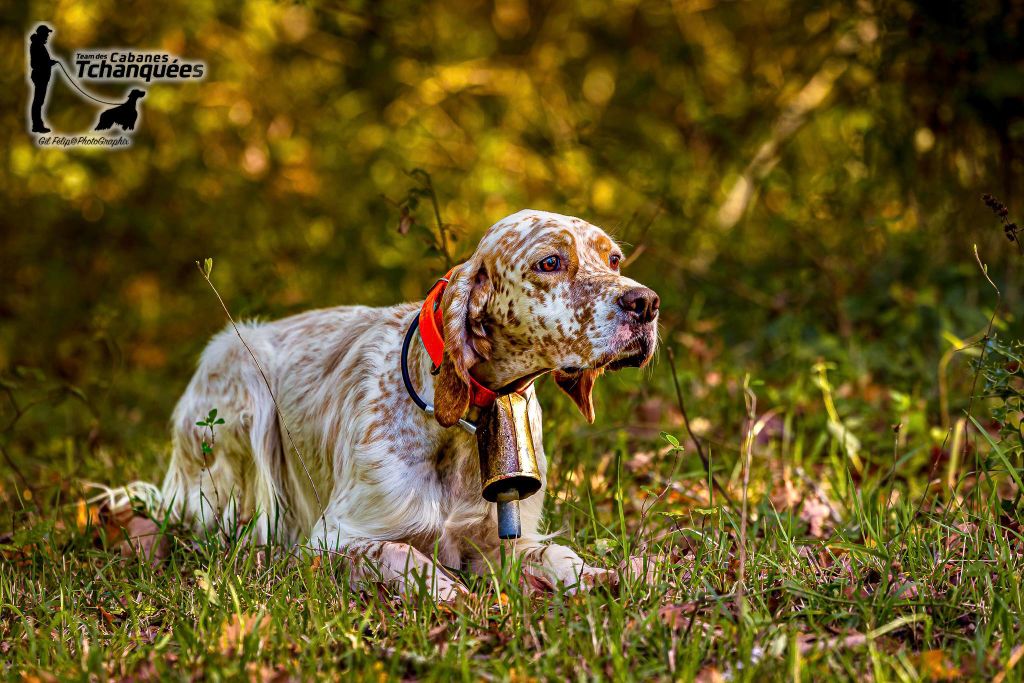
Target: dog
{"x": 124, "y": 114}
{"x": 322, "y": 446}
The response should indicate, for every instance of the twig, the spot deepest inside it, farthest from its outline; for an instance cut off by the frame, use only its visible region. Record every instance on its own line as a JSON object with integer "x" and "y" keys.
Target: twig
{"x": 750, "y": 399}
{"x": 686, "y": 421}
{"x": 206, "y": 276}
{"x": 641, "y": 245}
{"x": 428, "y": 185}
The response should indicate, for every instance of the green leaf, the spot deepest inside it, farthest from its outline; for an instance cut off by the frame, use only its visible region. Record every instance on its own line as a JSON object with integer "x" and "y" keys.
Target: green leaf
{"x": 671, "y": 439}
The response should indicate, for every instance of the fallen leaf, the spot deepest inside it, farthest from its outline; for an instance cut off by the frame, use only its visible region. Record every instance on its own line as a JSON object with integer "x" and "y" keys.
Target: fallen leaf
{"x": 536, "y": 583}
{"x": 904, "y": 589}
{"x": 934, "y": 665}
{"x": 142, "y": 535}
{"x": 677, "y": 617}
{"x": 107, "y": 616}
{"x": 710, "y": 674}
{"x": 438, "y": 633}
{"x": 807, "y": 643}
{"x": 268, "y": 674}
{"x": 38, "y": 677}
{"x": 234, "y": 632}
{"x": 816, "y": 513}
{"x": 405, "y": 222}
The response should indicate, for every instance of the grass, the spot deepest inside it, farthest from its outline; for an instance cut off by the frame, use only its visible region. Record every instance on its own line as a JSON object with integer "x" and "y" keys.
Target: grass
{"x": 887, "y": 592}
{"x": 844, "y": 530}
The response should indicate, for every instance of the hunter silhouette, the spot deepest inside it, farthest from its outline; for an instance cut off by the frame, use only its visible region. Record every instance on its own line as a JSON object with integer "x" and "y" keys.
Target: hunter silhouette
{"x": 39, "y": 60}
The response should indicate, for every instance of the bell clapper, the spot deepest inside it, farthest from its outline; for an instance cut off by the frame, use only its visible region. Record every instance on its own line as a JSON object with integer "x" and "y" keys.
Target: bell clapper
{"x": 509, "y": 526}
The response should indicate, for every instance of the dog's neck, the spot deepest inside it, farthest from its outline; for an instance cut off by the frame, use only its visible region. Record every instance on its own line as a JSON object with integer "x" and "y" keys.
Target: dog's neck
{"x": 511, "y": 365}
{"x": 504, "y": 378}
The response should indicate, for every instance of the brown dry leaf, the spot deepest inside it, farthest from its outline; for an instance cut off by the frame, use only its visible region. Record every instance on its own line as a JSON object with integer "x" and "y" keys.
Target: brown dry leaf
{"x": 677, "y": 617}
{"x": 107, "y": 616}
{"x": 38, "y": 677}
{"x": 964, "y": 532}
{"x": 816, "y": 513}
{"x": 438, "y": 633}
{"x": 268, "y": 674}
{"x": 641, "y": 462}
{"x": 405, "y": 222}
{"x": 235, "y": 630}
{"x": 648, "y": 568}
{"x": 536, "y": 583}
{"x": 113, "y": 522}
{"x": 640, "y": 566}
{"x": 934, "y": 665}
{"x": 807, "y": 643}
{"x": 142, "y": 535}
{"x": 709, "y": 674}
{"x": 903, "y": 588}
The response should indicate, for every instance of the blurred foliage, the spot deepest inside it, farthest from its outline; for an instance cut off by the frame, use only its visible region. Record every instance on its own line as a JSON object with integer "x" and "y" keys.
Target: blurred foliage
{"x": 798, "y": 180}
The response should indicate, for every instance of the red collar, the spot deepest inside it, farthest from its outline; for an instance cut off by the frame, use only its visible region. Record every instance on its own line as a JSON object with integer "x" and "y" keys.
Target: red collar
{"x": 431, "y": 325}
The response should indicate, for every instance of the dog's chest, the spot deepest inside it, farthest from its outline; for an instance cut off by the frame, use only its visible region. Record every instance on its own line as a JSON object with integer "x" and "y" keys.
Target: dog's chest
{"x": 468, "y": 522}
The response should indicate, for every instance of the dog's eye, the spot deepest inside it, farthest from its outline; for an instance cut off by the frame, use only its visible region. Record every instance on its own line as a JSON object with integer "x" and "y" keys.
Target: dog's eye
{"x": 613, "y": 261}
{"x": 550, "y": 264}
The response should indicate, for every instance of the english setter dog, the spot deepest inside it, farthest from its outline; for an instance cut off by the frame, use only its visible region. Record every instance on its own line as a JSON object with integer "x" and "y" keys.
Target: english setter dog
{"x": 350, "y": 463}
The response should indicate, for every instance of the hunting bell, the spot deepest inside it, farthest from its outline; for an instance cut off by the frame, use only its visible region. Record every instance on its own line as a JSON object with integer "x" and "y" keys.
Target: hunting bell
{"x": 508, "y": 462}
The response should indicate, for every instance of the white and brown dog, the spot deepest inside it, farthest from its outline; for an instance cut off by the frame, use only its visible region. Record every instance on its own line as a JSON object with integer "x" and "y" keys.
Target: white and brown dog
{"x": 542, "y": 293}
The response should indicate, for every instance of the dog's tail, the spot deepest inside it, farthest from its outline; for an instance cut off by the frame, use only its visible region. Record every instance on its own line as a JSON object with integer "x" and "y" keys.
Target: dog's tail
{"x": 102, "y": 125}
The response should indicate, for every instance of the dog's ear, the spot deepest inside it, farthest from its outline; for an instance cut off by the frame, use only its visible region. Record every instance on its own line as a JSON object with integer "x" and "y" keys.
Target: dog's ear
{"x": 465, "y": 339}
{"x": 579, "y": 386}
{"x": 451, "y": 394}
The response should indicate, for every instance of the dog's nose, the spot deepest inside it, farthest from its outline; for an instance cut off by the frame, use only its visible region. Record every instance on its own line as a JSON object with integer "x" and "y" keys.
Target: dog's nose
{"x": 642, "y": 302}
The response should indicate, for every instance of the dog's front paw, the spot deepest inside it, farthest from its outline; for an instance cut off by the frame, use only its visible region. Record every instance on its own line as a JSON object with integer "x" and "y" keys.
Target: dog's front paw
{"x": 448, "y": 591}
{"x": 589, "y": 578}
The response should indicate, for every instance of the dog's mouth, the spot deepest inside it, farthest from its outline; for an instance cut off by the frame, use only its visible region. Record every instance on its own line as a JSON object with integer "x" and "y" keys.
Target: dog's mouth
{"x": 522, "y": 382}
{"x": 634, "y": 354}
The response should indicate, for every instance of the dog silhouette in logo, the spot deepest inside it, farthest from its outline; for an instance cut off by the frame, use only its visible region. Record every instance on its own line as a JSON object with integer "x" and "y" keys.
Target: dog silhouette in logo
{"x": 124, "y": 114}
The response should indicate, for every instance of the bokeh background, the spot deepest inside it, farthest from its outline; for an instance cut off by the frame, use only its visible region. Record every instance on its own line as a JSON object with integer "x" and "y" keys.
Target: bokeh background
{"x": 799, "y": 181}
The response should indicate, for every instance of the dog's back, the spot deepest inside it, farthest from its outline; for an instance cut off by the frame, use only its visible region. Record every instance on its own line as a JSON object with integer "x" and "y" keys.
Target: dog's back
{"x": 317, "y": 361}
{"x": 107, "y": 119}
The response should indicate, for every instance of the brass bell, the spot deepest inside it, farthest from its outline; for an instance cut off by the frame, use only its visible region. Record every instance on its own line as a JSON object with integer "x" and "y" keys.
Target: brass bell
{"x": 508, "y": 462}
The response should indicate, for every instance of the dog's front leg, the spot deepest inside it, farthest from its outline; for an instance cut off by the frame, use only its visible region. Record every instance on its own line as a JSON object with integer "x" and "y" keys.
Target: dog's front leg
{"x": 405, "y": 567}
{"x": 397, "y": 564}
{"x": 558, "y": 564}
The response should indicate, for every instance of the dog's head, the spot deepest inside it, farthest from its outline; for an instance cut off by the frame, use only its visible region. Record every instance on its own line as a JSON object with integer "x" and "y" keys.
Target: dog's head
{"x": 136, "y": 94}
{"x": 542, "y": 292}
